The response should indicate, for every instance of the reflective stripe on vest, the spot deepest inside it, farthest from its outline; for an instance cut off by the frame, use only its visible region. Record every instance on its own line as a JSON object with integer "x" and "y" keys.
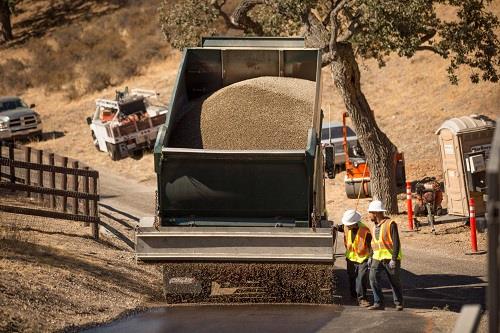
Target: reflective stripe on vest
{"x": 383, "y": 246}
{"x": 358, "y": 250}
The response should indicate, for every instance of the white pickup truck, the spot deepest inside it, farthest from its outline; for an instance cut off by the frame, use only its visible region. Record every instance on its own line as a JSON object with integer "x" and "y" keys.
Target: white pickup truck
{"x": 127, "y": 125}
{"x": 18, "y": 120}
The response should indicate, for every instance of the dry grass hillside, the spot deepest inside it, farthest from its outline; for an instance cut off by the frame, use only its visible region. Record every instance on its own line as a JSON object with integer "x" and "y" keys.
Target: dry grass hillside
{"x": 410, "y": 97}
{"x": 54, "y": 276}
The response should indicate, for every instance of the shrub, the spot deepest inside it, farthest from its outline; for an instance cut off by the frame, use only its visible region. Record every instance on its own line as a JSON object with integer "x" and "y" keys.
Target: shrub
{"x": 15, "y": 77}
{"x": 98, "y": 80}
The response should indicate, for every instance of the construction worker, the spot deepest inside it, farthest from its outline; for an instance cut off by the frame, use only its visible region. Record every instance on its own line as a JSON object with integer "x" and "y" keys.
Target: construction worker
{"x": 357, "y": 240}
{"x": 386, "y": 257}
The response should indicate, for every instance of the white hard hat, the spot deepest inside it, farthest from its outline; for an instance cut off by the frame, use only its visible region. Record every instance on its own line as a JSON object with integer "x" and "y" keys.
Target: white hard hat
{"x": 351, "y": 217}
{"x": 376, "y": 206}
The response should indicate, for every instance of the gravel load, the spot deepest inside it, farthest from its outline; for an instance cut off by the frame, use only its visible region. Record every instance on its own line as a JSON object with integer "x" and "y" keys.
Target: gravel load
{"x": 264, "y": 113}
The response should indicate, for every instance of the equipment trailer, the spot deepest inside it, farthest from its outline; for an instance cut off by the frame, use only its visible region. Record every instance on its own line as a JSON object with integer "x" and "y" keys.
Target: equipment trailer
{"x": 245, "y": 225}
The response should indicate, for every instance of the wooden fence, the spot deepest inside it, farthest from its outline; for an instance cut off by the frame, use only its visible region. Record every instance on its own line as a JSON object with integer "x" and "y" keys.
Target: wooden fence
{"x": 69, "y": 188}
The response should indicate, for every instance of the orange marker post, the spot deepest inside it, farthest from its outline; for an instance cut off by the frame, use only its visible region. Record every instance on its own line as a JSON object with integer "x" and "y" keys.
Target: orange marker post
{"x": 410, "y": 207}
{"x": 472, "y": 224}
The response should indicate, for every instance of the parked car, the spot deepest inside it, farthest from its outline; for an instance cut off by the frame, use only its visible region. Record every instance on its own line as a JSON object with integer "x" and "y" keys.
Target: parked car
{"x": 331, "y": 133}
{"x": 17, "y": 120}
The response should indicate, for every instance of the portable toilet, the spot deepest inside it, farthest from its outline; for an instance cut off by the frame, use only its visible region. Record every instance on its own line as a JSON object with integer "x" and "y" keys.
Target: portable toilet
{"x": 465, "y": 145}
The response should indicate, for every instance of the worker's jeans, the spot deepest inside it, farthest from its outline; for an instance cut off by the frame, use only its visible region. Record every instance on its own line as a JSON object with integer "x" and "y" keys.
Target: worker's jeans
{"x": 358, "y": 278}
{"x": 376, "y": 270}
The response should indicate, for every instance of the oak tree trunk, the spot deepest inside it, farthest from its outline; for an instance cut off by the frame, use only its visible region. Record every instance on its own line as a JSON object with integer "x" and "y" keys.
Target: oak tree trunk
{"x": 379, "y": 150}
{"x": 5, "y": 23}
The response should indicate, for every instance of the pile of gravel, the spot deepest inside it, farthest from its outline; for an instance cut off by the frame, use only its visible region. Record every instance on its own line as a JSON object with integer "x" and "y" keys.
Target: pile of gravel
{"x": 262, "y": 113}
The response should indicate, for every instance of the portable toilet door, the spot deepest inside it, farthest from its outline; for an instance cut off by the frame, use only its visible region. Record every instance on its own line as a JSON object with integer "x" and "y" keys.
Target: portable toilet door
{"x": 453, "y": 171}
{"x": 457, "y": 137}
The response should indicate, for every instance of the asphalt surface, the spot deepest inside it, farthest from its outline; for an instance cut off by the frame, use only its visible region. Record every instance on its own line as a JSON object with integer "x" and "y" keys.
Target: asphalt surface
{"x": 265, "y": 318}
{"x": 430, "y": 280}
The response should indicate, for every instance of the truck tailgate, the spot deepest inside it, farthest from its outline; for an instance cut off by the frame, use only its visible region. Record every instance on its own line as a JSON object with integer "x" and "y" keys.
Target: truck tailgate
{"x": 235, "y": 244}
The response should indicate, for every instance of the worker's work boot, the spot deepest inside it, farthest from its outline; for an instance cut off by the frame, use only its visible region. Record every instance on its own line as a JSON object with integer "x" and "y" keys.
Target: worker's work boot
{"x": 399, "y": 307}
{"x": 364, "y": 303}
{"x": 377, "y": 306}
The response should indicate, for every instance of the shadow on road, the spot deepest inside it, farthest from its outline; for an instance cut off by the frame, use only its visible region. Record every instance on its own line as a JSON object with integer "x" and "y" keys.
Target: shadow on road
{"x": 427, "y": 291}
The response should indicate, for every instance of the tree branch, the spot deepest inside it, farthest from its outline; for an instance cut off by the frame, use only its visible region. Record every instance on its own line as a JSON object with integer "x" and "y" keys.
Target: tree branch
{"x": 334, "y": 31}
{"x": 354, "y": 28}
{"x": 218, "y": 5}
{"x": 428, "y": 36}
{"x": 316, "y": 34}
{"x": 337, "y": 7}
{"x": 432, "y": 49}
{"x": 239, "y": 18}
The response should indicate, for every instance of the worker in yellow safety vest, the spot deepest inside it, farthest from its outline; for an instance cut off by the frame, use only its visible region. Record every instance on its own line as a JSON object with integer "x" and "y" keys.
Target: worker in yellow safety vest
{"x": 386, "y": 247}
{"x": 357, "y": 238}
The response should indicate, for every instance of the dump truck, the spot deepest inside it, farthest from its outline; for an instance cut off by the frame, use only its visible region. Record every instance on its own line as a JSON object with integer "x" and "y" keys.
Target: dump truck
{"x": 244, "y": 224}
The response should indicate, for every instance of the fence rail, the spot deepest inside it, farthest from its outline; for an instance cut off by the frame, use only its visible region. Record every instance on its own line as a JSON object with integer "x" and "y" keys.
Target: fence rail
{"x": 44, "y": 175}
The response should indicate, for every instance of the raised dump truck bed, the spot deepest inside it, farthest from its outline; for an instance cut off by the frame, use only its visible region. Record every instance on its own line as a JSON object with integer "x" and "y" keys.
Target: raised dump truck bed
{"x": 239, "y": 206}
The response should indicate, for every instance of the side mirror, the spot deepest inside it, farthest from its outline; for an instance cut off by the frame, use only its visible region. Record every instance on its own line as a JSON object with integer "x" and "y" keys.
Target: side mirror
{"x": 330, "y": 160}
{"x": 32, "y": 106}
{"x": 89, "y": 120}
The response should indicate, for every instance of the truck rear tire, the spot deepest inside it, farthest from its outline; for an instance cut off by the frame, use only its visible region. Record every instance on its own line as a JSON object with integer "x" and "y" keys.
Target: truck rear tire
{"x": 113, "y": 152}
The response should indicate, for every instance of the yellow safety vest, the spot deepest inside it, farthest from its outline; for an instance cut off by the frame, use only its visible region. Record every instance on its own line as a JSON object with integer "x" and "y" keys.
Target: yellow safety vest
{"x": 383, "y": 247}
{"x": 357, "y": 250}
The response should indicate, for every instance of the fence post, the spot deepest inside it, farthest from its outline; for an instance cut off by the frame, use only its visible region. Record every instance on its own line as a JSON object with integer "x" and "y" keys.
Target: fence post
{"x": 472, "y": 216}
{"x": 74, "y": 165}
{"x": 410, "y": 207}
{"x": 27, "y": 158}
{"x": 39, "y": 160}
{"x": 95, "y": 208}
{"x": 12, "y": 168}
{"x": 86, "y": 208}
{"x": 52, "y": 181}
{"x": 64, "y": 185}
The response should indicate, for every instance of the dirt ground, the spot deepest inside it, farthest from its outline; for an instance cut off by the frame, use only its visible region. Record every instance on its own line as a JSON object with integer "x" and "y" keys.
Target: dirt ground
{"x": 53, "y": 275}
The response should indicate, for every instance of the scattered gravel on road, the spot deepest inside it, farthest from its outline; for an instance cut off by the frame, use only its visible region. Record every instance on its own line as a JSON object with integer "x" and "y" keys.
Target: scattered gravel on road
{"x": 257, "y": 282}
{"x": 261, "y": 113}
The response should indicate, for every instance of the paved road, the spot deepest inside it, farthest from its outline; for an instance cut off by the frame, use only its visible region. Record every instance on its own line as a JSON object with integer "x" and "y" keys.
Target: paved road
{"x": 126, "y": 195}
{"x": 266, "y": 318}
{"x": 430, "y": 280}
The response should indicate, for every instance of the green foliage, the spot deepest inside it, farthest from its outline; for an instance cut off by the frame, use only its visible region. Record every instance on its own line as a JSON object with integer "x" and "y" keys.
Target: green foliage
{"x": 393, "y": 26}
{"x": 281, "y": 18}
{"x": 184, "y": 23}
{"x": 403, "y": 27}
{"x": 471, "y": 41}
